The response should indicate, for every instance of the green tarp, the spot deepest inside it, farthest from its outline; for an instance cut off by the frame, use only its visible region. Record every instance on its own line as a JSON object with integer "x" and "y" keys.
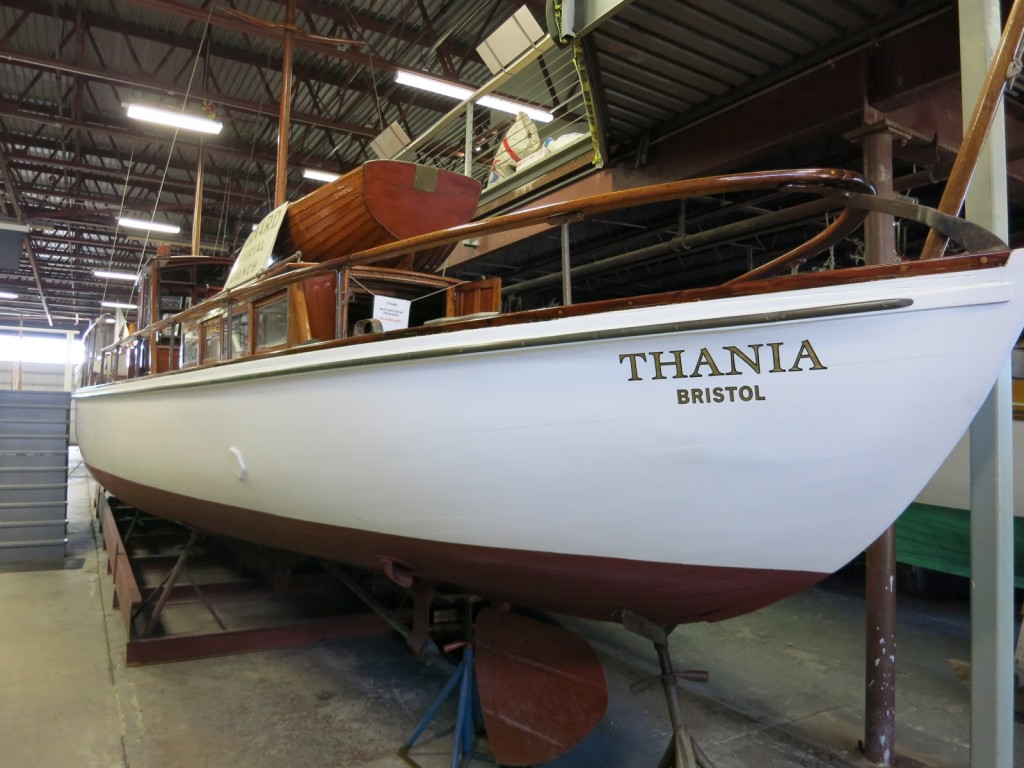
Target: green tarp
{"x": 939, "y": 538}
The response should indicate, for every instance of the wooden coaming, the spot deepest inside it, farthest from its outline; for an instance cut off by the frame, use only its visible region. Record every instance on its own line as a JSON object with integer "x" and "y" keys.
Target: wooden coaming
{"x": 865, "y": 274}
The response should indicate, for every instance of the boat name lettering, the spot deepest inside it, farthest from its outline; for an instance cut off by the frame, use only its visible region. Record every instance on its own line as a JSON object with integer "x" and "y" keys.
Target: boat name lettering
{"x": 773, "y": 357}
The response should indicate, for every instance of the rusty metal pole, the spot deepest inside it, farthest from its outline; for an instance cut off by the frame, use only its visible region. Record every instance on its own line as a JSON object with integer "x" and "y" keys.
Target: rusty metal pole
{"x": 879, "y": 236}
{"x": 285, "y": 113}
{"x": 880, "y": 586}
{"x": 880, "y": 652}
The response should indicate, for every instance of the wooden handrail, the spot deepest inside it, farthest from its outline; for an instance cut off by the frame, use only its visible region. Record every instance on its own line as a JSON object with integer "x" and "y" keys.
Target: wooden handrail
{"x": 834, "y": 232}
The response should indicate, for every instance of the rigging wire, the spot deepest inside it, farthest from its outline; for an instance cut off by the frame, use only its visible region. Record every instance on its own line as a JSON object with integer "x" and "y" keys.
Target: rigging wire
{"x": 156, "y": 203}
{"x": 117, "y": 229}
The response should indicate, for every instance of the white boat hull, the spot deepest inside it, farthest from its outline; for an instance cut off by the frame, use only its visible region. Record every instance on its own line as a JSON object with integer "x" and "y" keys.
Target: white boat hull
{"x": 581, "y": 457}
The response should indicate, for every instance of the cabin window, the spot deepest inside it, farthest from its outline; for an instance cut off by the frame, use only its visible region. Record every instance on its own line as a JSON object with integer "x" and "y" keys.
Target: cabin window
{"x": 211, "y": 340}
{"x": 272, "y": 323}
{"x": 190, "y": 346}
{"x": 240, "y": 333}
{"x": 171, "y": 304}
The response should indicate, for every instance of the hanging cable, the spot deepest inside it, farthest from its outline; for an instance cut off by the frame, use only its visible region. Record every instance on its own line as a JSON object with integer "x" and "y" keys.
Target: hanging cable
{"x": 174, "y": 139}
{"x": 117, "y": 229}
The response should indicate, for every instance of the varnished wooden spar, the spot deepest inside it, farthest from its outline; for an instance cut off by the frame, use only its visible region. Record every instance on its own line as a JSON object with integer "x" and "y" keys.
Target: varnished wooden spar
{"x": 379, "y": 203}
{"x": 976, "y": 132}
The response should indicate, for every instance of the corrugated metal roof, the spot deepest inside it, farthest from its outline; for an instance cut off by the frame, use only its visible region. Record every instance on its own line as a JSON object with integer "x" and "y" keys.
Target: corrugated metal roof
{"x": 661, "y": 61}
{"x": 76, "y": 160}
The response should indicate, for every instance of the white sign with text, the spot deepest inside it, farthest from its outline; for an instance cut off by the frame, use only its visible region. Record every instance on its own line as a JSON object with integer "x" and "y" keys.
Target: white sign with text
{"x": 259, "y": 246}
{"x": 392, "y": 313}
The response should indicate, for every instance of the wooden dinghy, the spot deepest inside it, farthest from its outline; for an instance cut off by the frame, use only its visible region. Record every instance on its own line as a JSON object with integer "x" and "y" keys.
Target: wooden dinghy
{"x": 379, "y": 203}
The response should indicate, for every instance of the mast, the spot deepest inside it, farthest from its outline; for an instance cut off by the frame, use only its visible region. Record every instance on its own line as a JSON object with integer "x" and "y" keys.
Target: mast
{"x": 197, "y": 213}
{"x": 285, "y": 114}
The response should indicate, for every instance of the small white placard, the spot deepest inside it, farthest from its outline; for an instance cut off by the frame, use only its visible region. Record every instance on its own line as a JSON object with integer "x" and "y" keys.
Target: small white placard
{"x": 392, "y": 313}
{"x": 259, "y": 246}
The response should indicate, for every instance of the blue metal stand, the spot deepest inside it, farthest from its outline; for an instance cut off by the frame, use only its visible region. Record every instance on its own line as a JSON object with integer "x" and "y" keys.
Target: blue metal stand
{"x": 467, "y": 718}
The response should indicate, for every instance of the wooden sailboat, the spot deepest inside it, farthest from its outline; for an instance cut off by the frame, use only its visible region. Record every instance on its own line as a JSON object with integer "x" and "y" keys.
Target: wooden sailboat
{"x": 654, "y": 460}
{"x": 677, "y": 455}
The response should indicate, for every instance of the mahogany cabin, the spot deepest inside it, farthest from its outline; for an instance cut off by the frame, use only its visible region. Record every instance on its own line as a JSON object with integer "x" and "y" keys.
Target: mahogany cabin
{"x": 171, "y": 284}
{"x": 190, "y": 322}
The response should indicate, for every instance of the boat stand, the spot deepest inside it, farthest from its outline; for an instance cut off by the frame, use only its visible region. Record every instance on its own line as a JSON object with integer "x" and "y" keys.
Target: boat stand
{"x": 164, "y": 590}
{"x": 468, "y": 714}
{"x": 682, "y": 750}
{"x": 468, "y": 719}
{"x": 185, "y": 595}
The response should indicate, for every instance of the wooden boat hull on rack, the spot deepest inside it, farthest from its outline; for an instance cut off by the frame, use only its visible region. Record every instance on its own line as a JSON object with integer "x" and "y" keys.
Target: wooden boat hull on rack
{"x": 686, "y": 462}
{"x": 377, "y": 203}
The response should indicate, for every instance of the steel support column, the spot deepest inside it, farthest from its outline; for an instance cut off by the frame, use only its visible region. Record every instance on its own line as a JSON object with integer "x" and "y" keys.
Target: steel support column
{"x": 991, "y": 440}
{"x": 880, "y": 651}
{"x": 880, "y": 603}
{"x": 880, "y": 241}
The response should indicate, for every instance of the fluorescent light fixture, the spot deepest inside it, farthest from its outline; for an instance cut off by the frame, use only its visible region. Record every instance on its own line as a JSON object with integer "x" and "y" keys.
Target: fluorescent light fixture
{"x": 175, "y": 119}
{"x": 155, "y": 226}
{"x": 118, "y": 305}
{"x": 443, "y": 88}
{"x": 432, "y": 84}
{"x": 116, "y": 275}
{"x": 312, "y": 173}
{"x": 390, "y": 141}
{"x": 513, "y": 107}
{"x": 6, "y": 295}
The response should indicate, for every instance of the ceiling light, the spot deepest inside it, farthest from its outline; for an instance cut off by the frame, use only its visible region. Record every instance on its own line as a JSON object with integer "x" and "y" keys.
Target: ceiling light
{"x": 155, "y": 226}
{"x": 462, "y": 93}
{"x": 174, "y": 118}
{"x": 6, "y": 295}
{"x": 116, "y": 275}
{"x": 118, "y": 305}
{"x": 312, "y": 173}
{"x": 13, "y": 226}
{"x": 514, "y": 107}
{"x": 432, "y": 84}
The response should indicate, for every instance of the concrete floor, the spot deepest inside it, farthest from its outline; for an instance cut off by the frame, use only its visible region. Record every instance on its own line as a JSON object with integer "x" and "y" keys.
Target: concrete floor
{"x": 786, "y": 687}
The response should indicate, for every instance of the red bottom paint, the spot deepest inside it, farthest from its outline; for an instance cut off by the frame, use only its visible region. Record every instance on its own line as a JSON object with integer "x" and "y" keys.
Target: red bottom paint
{"x": 578, "y": 585}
